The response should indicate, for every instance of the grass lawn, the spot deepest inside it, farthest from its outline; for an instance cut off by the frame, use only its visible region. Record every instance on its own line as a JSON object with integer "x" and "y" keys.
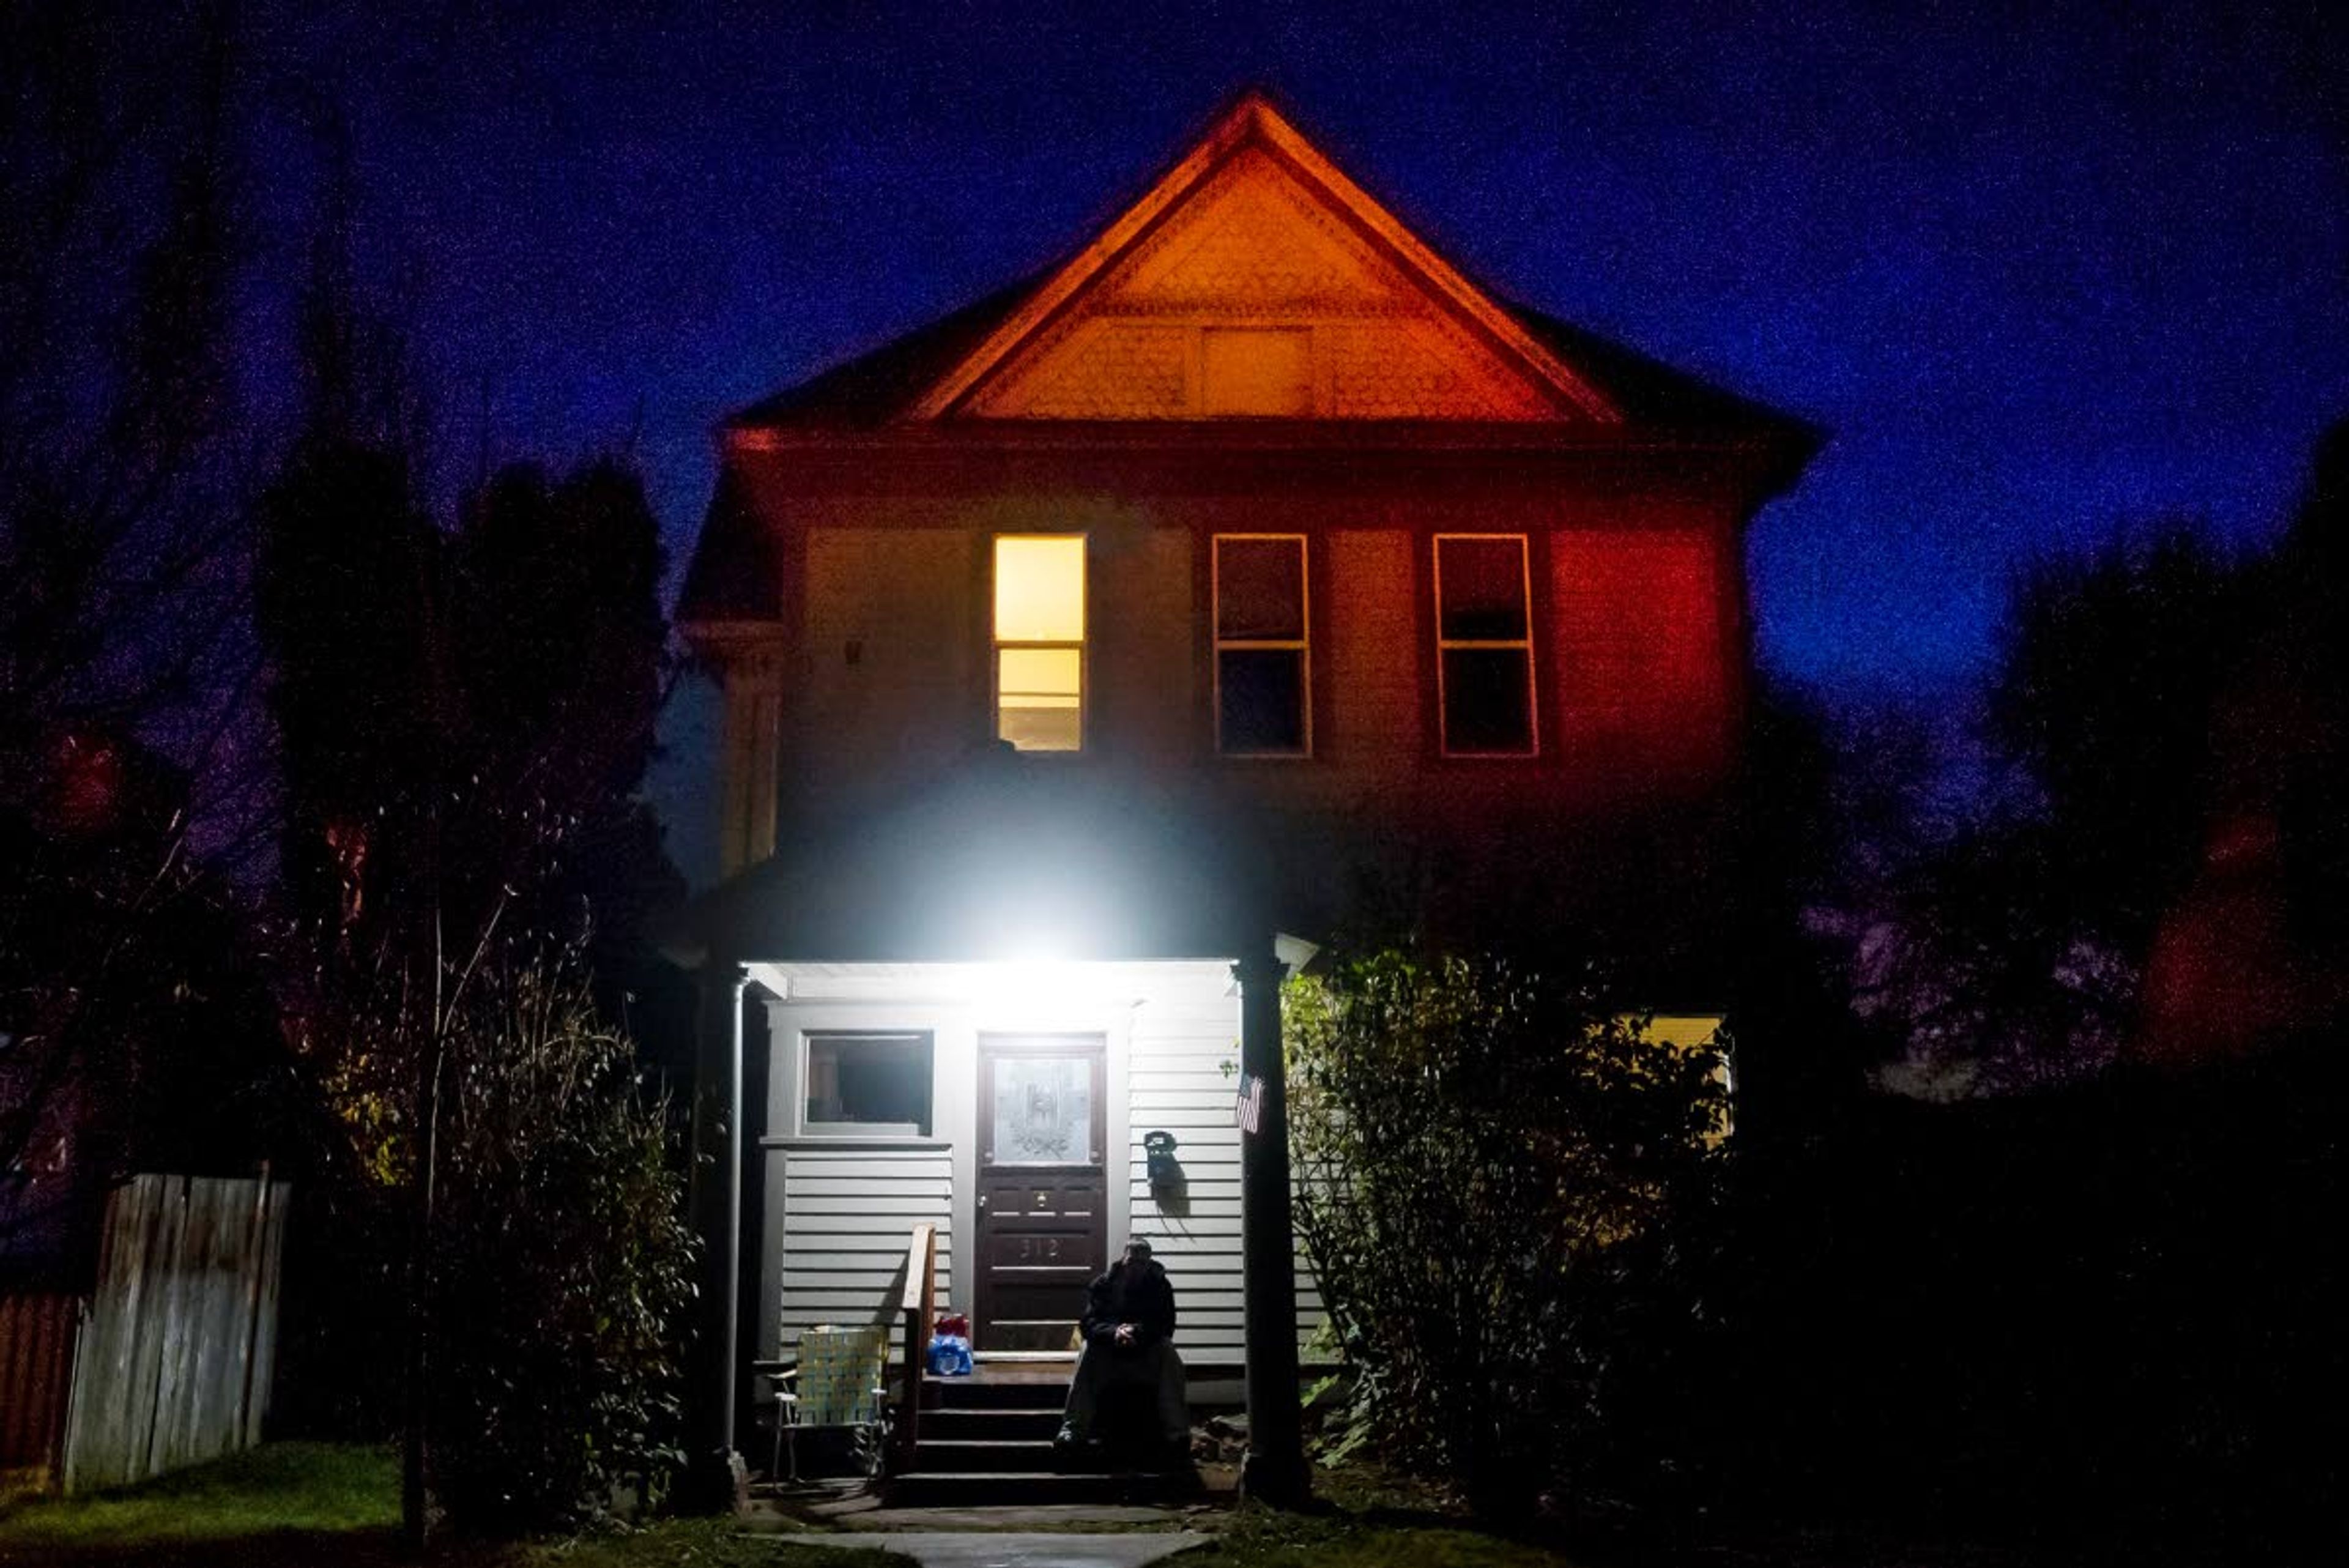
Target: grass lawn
{"x": 296, "y": 1505}
{"x": 1260, "y": 1538}
{"x": 311, "y": 1505}
{"x": 311, "y": 1488}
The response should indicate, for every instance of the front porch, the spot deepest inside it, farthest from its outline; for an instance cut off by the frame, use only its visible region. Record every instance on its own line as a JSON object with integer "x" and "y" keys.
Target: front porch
{"x": 983, "y": 1139}
{"x": 1021, "y": 1010}
{"x": 1012, "y": 1108}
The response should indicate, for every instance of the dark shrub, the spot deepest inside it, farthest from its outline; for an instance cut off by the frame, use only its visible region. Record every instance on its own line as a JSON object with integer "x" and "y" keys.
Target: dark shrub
{"x": 1498, "y": 1176}
{"x": 560, "y": 1266}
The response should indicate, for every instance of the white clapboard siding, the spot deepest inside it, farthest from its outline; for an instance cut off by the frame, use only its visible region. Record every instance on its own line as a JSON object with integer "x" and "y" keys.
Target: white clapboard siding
{"x": 830, "y": 1186}
{"x": 1183, "y": 1079}
{"x": 1184, "y": 1120}
{"x": 846, "y": 1210}
{"x": 848, "y": 1213}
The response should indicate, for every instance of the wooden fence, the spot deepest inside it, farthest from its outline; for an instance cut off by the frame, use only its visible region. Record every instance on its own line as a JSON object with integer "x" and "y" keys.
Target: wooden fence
{"x": 36, "y": 1348}
{"x": 179, "y": 1339}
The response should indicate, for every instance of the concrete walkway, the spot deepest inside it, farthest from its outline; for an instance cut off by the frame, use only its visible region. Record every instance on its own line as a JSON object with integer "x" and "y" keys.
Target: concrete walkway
{"x": 1030, "y": 1520}
{"x": 1015, "y": 1548}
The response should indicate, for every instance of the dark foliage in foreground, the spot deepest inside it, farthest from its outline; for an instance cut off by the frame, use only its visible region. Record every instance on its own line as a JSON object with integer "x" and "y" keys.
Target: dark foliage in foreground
{"x": 135, "y": 1033}
{"x": 132, "y": 1031}
{"x": 2104, "y": 1319}
{"x": 501, "y": 1209}
{"x": 465, "y": 714}
{"x": 560, "y": 1267}
{"x": 1500, "y": 1182}
{"x": 2163, "y": 873}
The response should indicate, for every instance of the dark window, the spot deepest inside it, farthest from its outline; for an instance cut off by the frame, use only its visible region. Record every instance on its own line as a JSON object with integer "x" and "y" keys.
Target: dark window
{"x": 868, "y": 1083}
{"x": 1263, "y": 685}
{"x": 1483, "y": 641}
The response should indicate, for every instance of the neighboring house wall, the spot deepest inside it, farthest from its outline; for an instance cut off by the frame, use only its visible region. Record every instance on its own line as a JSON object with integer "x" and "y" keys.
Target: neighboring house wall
{"x": 840, "y": 1208}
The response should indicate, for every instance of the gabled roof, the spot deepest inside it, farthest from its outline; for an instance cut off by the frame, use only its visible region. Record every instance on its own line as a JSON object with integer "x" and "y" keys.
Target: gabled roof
{"x": 1251, "y": 142}
{"x": 880, "y": 388}
{"x": 734, "y": 571}
{"x": 934, "y": 371}
{"x": 1580, "y": 388}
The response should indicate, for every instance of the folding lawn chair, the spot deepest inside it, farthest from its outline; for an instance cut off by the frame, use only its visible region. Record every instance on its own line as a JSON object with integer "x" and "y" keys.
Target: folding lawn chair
{"x": 837, "y": 1382}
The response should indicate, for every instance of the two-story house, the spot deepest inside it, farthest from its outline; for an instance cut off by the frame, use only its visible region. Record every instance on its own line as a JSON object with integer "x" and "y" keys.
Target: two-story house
{"x": 1253, "y": 573}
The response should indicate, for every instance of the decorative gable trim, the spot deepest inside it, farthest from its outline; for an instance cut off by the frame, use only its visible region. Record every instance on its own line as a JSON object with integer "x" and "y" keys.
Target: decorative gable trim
{"x": 1253, "y": 121}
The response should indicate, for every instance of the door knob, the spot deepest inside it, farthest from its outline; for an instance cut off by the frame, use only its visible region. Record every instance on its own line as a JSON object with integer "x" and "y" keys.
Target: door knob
{"x": 982, "y": 1203}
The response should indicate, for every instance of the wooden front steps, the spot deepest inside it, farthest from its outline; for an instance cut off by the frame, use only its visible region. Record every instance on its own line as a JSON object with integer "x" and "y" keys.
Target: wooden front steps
{"x": 987, "y": 1442}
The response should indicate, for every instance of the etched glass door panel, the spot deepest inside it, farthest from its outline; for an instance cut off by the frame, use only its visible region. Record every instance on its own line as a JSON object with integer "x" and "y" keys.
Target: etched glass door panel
{"x": 1043, "y": 1186}
{"x": 1043, "y": 1110}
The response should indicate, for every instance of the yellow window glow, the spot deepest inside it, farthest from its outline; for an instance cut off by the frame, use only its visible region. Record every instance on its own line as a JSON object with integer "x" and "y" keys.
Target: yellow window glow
{"x": 1040, "y": 641}
{"x": 1038, "y": 673}
{"x": 1040, "y": 589}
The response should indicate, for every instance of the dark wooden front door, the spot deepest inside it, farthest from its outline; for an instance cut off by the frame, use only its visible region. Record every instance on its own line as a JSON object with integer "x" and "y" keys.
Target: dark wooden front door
{"x": 1043, "y": 1186}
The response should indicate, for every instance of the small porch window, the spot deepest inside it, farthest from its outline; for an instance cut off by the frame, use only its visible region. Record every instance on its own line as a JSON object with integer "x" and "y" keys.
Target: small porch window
{"x": 868, "y": 1083}
{"x": 1039, "y": 640}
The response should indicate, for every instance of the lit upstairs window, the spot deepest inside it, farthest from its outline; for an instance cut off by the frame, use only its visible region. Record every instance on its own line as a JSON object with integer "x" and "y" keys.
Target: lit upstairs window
{"x": 1484, "y": 645}
{"x": 1264, "y": 702}
{"x": 1039, "y": 640}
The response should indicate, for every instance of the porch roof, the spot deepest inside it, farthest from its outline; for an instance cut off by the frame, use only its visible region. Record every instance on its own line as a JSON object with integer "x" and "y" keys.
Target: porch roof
{"x": 1005, "y": 857}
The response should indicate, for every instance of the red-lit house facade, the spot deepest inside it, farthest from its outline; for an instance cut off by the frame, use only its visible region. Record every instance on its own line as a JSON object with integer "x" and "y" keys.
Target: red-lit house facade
{"x": 1394, "y": 603}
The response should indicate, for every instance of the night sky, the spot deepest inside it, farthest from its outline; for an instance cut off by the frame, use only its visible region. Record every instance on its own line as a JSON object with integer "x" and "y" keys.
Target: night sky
{"x": 2046, "y": 276}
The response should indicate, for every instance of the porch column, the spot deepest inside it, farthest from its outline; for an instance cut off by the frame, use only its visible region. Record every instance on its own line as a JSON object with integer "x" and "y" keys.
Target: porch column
{"x": 1274, "y": 1470}
{"x": 715, "y": 1199}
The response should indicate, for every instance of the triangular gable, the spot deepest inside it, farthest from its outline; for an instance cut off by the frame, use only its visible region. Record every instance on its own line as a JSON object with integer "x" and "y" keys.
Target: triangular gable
{"x": 1255, "y": 279}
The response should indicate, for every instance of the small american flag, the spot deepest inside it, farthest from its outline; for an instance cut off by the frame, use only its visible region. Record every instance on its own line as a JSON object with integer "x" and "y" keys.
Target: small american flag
{"x": 1247, "y": 1108}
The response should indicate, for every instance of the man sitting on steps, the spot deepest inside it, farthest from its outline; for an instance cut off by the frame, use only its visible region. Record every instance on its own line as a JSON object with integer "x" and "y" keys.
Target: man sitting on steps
{"x": 1129, "y": 1320}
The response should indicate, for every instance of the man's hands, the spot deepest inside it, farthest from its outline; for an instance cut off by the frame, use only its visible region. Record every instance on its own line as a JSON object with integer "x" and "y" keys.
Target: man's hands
{"x": 1124, "y": 1334}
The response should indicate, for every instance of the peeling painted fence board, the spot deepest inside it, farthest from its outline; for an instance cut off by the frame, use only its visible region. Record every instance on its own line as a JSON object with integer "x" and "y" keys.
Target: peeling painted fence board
{"x": 180, "y": 1343}
{"x": 269, "y": 1206}
{"x": 38, "y": 1330}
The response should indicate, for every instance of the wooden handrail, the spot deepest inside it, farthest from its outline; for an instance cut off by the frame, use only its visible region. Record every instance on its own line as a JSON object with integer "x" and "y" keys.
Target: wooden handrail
{"x": 916, "y": 1306}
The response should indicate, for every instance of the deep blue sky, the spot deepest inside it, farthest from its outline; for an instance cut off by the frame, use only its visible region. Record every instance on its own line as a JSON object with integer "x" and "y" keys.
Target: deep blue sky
{"x": 2045, "y": 274}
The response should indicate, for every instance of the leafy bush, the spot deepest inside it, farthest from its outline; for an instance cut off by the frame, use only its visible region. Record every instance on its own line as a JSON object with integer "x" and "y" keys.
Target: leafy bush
{"x": 1499, "y": 1180}
{"x": 492, "y": 1159}
{"x": 560, "y": 1266}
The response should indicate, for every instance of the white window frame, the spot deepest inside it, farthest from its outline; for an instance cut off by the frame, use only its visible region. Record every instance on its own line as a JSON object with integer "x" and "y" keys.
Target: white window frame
{"x": 891, "y": 1131}
{"x": 1082, "y": 645}
{"x": 1445, "y": 645}
{"x": 1301, "y": 645}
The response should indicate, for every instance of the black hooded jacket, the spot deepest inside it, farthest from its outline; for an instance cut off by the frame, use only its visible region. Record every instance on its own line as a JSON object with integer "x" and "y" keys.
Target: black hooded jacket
{"x": 1139, "y": 1294}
